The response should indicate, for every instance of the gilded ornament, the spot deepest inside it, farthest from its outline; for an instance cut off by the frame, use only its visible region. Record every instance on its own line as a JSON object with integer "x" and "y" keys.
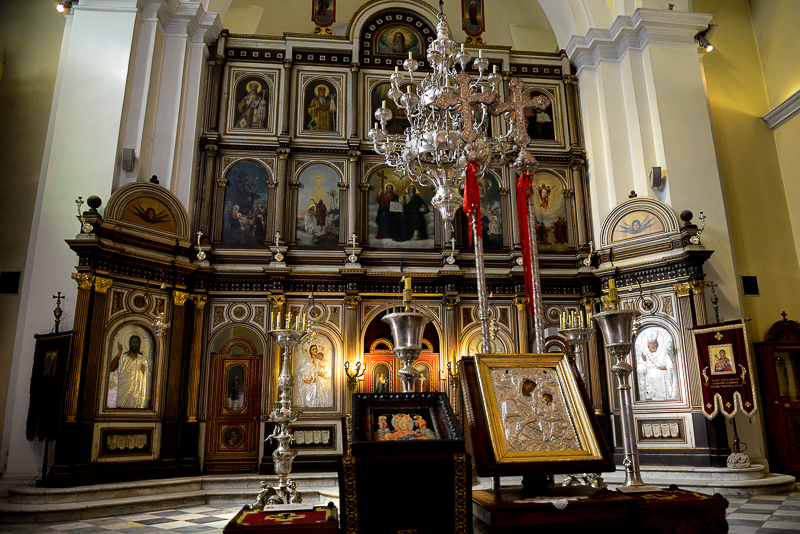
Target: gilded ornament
{"x": 520, "y": 301}
{"x": 101, "y": 285}
{"x": 84, "y": 280}
{"x": 200, "y": 301}
{"x": 683, "y": 290}
{"x": 179, "y": 298}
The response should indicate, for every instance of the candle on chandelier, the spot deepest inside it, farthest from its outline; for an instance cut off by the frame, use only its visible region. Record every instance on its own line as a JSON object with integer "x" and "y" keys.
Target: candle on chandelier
{"x": 462, "y": 47}
{"x": 383, "y": 104}
{"x": 397, "y": 69}
{"x": 480, "y": 53}
{"x": 494, "y": 69}
{"x": 305, "y": 317}
{"x": 410, "y": 55}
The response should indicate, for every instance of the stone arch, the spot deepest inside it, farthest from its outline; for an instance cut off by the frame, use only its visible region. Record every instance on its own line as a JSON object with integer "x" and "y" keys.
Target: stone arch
{"x": 576, "y": 17}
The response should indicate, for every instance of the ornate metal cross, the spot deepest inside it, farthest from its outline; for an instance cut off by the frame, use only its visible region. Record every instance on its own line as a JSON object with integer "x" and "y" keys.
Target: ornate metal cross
{"x": 277, "y": 239}
{"x": 353, "y": 239}
{"x": 518, "y": 105}
{"x": 464, "y": 101}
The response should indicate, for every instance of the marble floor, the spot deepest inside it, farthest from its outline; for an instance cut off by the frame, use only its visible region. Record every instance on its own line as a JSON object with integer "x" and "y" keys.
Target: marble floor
{"x": 763, "y": 514}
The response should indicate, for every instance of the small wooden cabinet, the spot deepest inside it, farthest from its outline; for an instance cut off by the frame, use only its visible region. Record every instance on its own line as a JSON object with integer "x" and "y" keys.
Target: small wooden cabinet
{"x": 779, "y": 372}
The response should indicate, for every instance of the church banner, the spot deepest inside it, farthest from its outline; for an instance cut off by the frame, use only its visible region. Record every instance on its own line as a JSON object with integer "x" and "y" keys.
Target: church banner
{"x": 726, "y": 380}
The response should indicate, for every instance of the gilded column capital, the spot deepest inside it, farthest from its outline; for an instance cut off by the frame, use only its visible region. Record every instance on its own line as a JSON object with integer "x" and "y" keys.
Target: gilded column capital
{"x": 277, "y": 300}
{"x": 101, "y": 285}
{"x": 200, "y": 301}
{"x": 451, "y": 301}
{"x": 288, "y": 63}
{"x": 520, "y": 301}
{"x": 570, "y": 79}
{"x": 283, "y": 152}
{"x": 222, "y": 181}
{"x": 352, "y": 302}
{"x": 355, "y": 66}
{"x": 179, "y": 297}
{"x": 699, "y": 286}
{"x": 568, "y": 193}
{"x": 576, "y": 163}
{"x": 353, "y": 155}
{"x": 502, "y": 190}
{"x": 364, "y": 186}
{"x": 683, "y": 290}
{"x": 343, "y": 186}
{"x": 84, "y": 280}
{"x": 211, "y": 150}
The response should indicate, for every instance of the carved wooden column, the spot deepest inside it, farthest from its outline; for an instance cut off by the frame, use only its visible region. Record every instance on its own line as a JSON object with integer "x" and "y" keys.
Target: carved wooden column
{"x": 684, "y": 292}
{"x": 175, "y": 361}
{"x": 450, "y": 325}
{"x": 221, "y": 182}
{"x": 353, "y": 156}
{"x": 521, "y": 303}
{"x": 512, "y": 178}
{"x": 352, "y": 303}
{"x": 573, "y": 128}
{"x": 581, "y": 206}
{"x": 280, "y": 192}
{"x": 94, "y": 359}
{"x": 699, "y": 300}
{"x": 84, "y": 281}
{"x": 286, "y": 100}
{"x": 569, "y": 195}
{"x": 195, "y": 358}
{"x": 353, "y": 106}
{"x": 362, "y": 224}
{"x": 206, "y": 200}
{"x": 596, "y": 372}
{"x": 215, "y": 71}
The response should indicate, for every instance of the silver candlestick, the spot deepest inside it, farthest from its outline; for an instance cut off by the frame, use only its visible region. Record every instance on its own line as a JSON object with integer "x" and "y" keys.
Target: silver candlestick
{"x": 577, "y": 338}
{"x": 408, "y": 328}
{"x": 617, "y": 328}
{"x": 283, "y": 415}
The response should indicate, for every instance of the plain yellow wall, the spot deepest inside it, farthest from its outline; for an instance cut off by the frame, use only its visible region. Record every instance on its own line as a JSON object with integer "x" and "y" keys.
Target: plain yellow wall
{"x": 30, "y": 42}
{"x": 775, "y": 23}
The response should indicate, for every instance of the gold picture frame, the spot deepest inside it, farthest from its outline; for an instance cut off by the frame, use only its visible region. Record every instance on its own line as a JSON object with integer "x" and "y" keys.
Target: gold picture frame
{"x": 535, "y": 410}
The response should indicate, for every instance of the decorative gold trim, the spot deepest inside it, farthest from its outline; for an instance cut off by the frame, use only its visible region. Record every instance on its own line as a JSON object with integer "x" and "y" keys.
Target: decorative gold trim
{"x": 699, "y": 286}
{"x": 683, "y": 290}
{"x": 200, "y": 301}
{"x": 84, "y": 280}
{"x": 353, "y": 155}
{"x": 179, "y": 298}
{"x": 101, "y": 285}
{"x": 350, "y": 499}
{"x": 460, "y": 472}
{"x": 520, "y": 301}
{"x": 277, "y": 300}
{"x": 474, "y": 40}
{"x": 319, "y": 30}
{"x": 283, "y": 152}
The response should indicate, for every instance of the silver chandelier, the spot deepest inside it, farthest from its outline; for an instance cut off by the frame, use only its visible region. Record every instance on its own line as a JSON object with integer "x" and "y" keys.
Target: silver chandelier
{"x": 449, "y": 112}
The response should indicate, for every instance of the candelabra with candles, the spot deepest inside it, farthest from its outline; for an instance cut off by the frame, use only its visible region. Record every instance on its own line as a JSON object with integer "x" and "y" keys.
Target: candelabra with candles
{"x": 408, "y": 328}
{"x": 283, "y": 414}
{"x": 577, "y": 336}
{"x": 353, "y": 374}
{"x": 452, "y": 376}
{"x": 449, "y": 113}
{"x": 617, "y": 327}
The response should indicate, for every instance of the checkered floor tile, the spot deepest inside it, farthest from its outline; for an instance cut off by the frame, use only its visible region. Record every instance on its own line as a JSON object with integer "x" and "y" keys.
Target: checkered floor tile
{"x": 763, "y": 514}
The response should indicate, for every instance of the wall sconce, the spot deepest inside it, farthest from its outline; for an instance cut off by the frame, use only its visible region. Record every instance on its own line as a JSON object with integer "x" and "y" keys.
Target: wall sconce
{"x": 353, "y": 375}
{"x": 705, "y": 44}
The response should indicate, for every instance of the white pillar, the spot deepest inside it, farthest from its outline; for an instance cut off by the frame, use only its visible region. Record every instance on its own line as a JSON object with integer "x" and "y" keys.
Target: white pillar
{"x": 79, "y": 159}
{"x": 643, "y": 103}
{"x": 191, "y": 116}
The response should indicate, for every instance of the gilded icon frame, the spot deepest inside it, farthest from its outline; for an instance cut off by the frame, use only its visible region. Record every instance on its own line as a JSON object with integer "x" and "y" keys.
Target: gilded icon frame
{"x": 589, "y": 447}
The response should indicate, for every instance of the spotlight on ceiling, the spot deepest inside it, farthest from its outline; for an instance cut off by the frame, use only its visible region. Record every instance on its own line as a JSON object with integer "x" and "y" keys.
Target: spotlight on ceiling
{"x": 60, "y": 8}
{"x": 63, "y": 5}
{"x": 705, "y": 44}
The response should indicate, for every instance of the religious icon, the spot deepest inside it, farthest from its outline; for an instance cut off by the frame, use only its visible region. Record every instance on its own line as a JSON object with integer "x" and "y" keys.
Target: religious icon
{"x": 244, "y": 215}
{"x": 656, "y": 369}
{"x": 234, "y": 401}
{"x": 399, "y": 212}
{"x": 636, "y": 224}
{"x": 252, "y": 103}
{"x": 411, "y": 426}
{"x": 722, "y": 359}
{"x": 399, "y": 39}
{"x": 380, "y": 379}
{"x": 550, "y": 209}
{"x": 320, "y": 107}
{"x": 424, "y": 384}
{"x": 312, "y": 373}
{"x": 232, "y": 436}
{"x": 540, "y": 122}
{"x": 130, "y": 368}
{"x": 318, "y": 206}
{"x": 323, "y": 12}
{"x": 50, "y": 358}
{"x": 380, "y": 94}
{"x": 491, "y": 214}
{"x": 472, "y": 17}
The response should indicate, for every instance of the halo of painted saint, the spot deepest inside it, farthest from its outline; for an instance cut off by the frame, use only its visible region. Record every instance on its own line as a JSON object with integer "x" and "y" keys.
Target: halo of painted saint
{"x": 130, "y": 368}
{"x": 550, "y": 209}
{"x": 655, "y": 364}
{"x": 244, "y": 215}
{"x": 318, "y": 206}
{"x": 313, "y": 362}
{"x": 399, "y": 211}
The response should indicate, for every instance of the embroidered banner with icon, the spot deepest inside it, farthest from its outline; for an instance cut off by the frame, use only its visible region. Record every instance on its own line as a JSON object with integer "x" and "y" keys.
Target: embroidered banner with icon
{"x": 726, "y": 380}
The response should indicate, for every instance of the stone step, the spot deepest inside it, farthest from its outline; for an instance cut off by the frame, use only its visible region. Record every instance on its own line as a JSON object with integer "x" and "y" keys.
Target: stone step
{"x": 686, "y": 473}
